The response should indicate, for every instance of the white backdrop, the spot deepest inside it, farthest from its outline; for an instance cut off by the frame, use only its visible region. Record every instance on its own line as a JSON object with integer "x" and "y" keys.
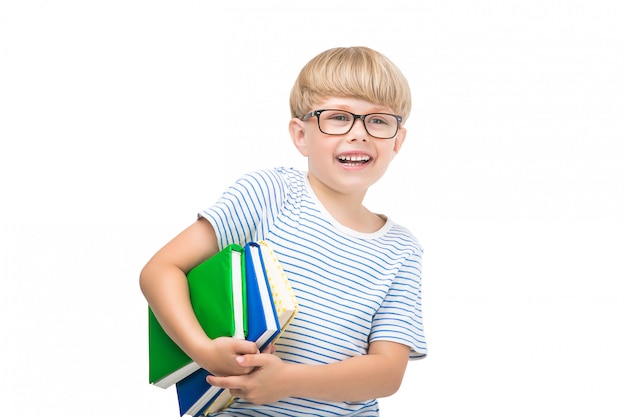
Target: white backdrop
{"x": 119, "y": 120}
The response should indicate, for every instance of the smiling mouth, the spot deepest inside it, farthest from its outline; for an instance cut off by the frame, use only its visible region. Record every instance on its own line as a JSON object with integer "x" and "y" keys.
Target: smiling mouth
{"x": 354, "y": 160}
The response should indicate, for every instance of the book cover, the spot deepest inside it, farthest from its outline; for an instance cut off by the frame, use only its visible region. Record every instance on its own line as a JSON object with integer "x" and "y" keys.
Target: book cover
{"x": 218, "y": 298}
{"x": 283, "y": 295}
{"x": 168, "y": 362}
{"x": 196, "y": 395}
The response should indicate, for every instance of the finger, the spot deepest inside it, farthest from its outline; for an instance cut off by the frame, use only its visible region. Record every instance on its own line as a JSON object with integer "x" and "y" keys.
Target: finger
{"x": 237, "y": 393}
{"x": 269, "y": 349}
{"x": 244, "y": 347}
{"x": 230, "y": 382}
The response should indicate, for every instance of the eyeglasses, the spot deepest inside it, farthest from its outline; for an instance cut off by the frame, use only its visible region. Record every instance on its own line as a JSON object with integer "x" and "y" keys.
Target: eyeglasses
{"x": 340, "y": 122}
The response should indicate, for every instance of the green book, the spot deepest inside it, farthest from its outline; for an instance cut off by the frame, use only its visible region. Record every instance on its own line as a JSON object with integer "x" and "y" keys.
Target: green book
{"x": 218, "y": 297}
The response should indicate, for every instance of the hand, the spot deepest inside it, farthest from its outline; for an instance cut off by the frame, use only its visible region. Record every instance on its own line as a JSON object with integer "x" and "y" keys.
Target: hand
{"x": 220, "y": 356}
{"x": 264, "y": 385}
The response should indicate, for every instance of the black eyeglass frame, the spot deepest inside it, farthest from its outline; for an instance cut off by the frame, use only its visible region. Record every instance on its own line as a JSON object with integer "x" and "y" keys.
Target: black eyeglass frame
{"x": 356, "y": 117}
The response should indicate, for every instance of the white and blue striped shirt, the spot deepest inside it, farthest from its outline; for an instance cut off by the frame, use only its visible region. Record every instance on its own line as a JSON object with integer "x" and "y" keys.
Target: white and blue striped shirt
{"x": 352, "y": 288}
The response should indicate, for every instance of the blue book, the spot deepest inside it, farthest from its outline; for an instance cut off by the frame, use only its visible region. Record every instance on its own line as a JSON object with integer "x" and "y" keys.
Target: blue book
{"x": 195, "y": 394}
{"x": 263, "y": 324}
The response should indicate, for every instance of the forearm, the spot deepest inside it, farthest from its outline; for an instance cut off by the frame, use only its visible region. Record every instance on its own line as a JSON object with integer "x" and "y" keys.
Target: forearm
{"x": 377, "y": 374}
{"x": 165, "y": 288}
{"x": 163, "y": 282}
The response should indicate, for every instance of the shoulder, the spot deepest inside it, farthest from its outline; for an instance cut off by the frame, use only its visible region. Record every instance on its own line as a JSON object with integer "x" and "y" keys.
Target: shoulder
{"x": 290, "y": 176}
{"x": 281, "y": 175}
{"x": 268, "y": 181}
{"x": 273, "y": 187}
{"x": 402, "y": 239}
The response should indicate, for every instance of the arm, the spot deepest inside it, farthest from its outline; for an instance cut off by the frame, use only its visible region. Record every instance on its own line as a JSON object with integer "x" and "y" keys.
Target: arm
{"x": 163, "y": 282}
{"x": 377, "y": 374}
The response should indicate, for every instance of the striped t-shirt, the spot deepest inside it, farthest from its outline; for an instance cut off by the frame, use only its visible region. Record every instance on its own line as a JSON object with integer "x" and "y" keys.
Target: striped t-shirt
{"x": 352, "y": 288}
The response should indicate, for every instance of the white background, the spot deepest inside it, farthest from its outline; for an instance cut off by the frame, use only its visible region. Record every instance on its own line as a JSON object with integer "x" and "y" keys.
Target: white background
{"x": 119, "y": 120}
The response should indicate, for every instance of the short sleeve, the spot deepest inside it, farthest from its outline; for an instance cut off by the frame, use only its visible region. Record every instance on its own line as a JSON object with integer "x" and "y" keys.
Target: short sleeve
{"x": 247, "y": 208}
{"x": 399, "y": 318}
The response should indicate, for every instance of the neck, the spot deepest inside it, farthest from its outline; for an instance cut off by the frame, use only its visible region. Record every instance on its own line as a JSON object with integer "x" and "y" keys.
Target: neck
{"x": 347, "y": 208}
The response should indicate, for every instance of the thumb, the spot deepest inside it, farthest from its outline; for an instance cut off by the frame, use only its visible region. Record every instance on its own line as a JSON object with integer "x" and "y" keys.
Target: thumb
{"x": 252, "y": 361}
{"x": 246, "y": 347}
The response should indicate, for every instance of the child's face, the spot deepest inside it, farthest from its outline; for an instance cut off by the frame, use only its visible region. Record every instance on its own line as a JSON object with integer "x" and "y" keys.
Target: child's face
{"x": 348, "y": 163}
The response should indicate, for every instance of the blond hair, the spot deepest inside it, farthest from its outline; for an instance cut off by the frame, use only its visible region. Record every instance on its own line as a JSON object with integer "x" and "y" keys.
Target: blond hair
{"x": 357, "y": 72}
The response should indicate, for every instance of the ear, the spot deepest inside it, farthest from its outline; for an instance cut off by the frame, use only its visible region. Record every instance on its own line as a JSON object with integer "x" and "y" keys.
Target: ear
{"x": 297, "y": 132}
{"x": 399, "y": 140}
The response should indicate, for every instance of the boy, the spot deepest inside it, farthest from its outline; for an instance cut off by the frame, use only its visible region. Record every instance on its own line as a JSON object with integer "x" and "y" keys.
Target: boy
{"x": 356, "y": 274}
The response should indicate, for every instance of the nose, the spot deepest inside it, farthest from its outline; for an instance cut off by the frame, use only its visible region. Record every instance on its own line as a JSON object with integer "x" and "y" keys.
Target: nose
{"x": 358, "y": 131}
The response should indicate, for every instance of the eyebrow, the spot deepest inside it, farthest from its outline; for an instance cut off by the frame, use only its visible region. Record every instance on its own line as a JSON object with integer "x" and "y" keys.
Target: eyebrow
{"x": 349, "y": 108}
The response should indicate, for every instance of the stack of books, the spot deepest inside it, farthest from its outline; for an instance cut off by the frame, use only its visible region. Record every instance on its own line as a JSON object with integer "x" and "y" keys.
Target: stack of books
{"x": 240, "y": 292}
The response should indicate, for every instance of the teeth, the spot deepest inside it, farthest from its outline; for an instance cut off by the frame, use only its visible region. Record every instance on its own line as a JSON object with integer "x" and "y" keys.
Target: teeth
{"x": 354, "y": 158}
